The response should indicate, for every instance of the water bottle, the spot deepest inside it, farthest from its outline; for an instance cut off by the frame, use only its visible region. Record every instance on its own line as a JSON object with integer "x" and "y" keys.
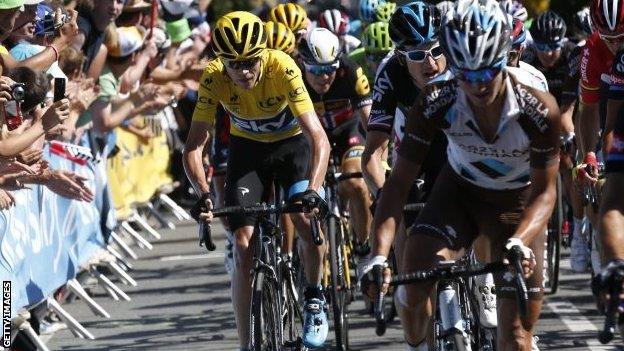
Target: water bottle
{"x": 450, "y": 310}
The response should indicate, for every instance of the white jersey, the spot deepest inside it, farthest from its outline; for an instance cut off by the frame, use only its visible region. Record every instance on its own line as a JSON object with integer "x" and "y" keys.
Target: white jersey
{"x": 529, "y": 75}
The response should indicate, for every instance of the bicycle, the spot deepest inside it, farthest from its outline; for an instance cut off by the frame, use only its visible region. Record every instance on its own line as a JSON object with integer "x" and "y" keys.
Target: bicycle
{"x": 276, "y": 316}
{"x": 456, "y": 325}
{"x": 338, "y": 284}
{"x": 552, "y": 255}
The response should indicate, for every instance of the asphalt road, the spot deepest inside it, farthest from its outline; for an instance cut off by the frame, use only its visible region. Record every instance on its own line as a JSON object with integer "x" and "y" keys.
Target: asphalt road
{"x": 182, "y": 302}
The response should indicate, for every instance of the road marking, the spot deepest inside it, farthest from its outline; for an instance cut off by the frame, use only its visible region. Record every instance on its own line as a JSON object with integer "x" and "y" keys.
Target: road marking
{"x": 209, "y": 256}
{"x": 576, "y": 322}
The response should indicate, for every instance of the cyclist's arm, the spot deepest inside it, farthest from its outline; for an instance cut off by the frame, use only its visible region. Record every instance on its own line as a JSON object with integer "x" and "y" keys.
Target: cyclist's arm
{"x": 589, "y": 117}
{"x": 589, "y": 126}
{"x": 390, "y": 205}
{"x": 193, "y": 155}
{"x": 363, "y": 114}
{"x": 375, "y": 153}
{"x": 419, "y": 132}
{"x": 614, "y": 106}
{"x": 544, "y": 162}
{"x": 319, "y": 146}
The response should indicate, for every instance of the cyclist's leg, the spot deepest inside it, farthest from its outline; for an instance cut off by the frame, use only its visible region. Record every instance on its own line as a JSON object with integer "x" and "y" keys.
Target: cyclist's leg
{"x": 440, "y": 233}
{"x": 498, "y": 215}
{"x": 292, "y": 163}
{"x": 356, "y": 192}
{"x": 288, "y": 227}
{"x": 245, "y": 185}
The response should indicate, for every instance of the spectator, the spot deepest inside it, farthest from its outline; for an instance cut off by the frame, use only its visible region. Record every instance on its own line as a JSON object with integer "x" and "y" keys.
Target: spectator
{"x": 94, "y": 17}
{"x": 49, "y": 54}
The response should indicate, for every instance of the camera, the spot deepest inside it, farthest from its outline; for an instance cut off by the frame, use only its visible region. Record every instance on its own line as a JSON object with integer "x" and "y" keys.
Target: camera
{"x": 18, "y": 92}
{"x": 51, "y": 22}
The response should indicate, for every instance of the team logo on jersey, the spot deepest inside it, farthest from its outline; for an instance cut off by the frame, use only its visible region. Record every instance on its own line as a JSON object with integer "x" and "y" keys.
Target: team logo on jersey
{"x": 234, "y": 99}
{"x": 533, "y": 107}
{"x": 267, "y": 105}
{"x": 206, "y": 83}
{"x": 382, "y": 83}
{"x": 204, "y": 102}
{"x": 362, "y": 87}
{"x": 290, "y": 72}
{"x": 281, "y": 122}
{"x": 297, "y": 94}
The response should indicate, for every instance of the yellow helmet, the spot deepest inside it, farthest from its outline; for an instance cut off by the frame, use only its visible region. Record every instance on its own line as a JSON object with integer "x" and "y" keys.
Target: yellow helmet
{"x": 279, "y": 37}
{"x": 292, "y": 15}
{"x": 239, "y": 35}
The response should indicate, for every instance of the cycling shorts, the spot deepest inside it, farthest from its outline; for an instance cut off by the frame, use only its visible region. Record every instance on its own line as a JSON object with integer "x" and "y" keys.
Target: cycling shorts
{"x": 254, "y": 166}
{"x": 457, "y": 212}
{"x": 347, "y": 141}
{"x": 221, "y": 140}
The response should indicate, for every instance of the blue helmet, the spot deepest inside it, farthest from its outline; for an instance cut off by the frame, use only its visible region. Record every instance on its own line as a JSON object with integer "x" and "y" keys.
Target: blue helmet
{"x": 367, "y": 9}
{"x": 414, "y": 24}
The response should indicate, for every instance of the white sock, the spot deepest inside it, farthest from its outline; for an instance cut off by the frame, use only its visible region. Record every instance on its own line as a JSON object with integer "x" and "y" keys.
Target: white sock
{"x": 420, "y": 347}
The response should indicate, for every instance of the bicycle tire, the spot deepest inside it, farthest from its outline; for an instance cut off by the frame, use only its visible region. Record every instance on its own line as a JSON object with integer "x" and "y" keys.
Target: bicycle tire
{"x": 553, "y": 242}
{"x": 264, "y": 320}
{"x": 338, "y": 284}
{"x": 293, "y": 315}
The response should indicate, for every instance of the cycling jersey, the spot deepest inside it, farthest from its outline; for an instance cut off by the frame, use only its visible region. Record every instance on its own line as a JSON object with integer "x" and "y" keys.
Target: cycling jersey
{"x": 615, "y": 158}
{"x": 596, "y": 61}
{"x": 359, "y": 57}
{"x": 349, "y": 92}
{"x": 266, "y": 112}
{"x": 532, "y": 77}
{"x": 558, "y": 75}
{"x": 528, "y": 130}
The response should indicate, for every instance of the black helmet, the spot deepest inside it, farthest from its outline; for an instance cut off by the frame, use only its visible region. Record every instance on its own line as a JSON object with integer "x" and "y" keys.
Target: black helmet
{"x": 414, "y": 23}
{"x": 548, "y": 28}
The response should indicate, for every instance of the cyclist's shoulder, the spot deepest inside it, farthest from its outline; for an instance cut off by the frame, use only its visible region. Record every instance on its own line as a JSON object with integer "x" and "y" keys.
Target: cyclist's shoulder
{"x": 392, "y": 68}
{"x": 529, "y": 75}
{"x": 213, "y": 73}
{"x": 539, "y": 106}
{"x": 276, "y": 62}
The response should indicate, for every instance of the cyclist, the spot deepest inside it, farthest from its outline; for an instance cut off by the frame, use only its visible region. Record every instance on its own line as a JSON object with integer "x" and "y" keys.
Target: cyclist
{"x": 607, "y": 18}
{"x": 274, "y": 132}
{"x": 384, "y": 12}
{"x": 280, "y": 37}
{"x": 367, "y": 10}
{"x": 341, "y": 95}
{"x": 500, "y": 180}
{"x": 338, "y": 23}
{"x": 535, "y": 78}
{"x": 376, "y": 44}
{"x": 552, "y": 53}
{"x": 294, "y": 16}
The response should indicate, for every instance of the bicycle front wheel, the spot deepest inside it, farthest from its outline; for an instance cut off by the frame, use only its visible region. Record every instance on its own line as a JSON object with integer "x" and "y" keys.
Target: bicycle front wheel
{"x": 338, "y": 291}
{"x": 265, "y": 320}
{"x": 553, "y": 243}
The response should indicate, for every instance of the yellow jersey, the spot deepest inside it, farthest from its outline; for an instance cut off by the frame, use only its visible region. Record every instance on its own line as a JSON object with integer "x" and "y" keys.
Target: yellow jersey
{"x": 268, "y": 112}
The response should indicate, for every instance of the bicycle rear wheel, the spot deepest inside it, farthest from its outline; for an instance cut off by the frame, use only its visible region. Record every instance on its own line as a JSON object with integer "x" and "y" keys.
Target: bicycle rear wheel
{"x": 292, "y": 315}
{"x": 265, "y": 320}
{"x": 553, "y": 243}
{"x": 338, "y": 286}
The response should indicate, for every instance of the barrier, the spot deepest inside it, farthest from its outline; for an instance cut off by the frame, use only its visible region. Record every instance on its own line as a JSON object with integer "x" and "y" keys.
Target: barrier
{"x": 45, "y": 238}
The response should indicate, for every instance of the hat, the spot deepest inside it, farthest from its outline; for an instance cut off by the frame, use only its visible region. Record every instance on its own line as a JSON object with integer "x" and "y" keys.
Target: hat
{"x": 178, "y": 30}
{"x": 161, "y": 38}
{"x": 10, "y": 4}
{"x": 135, "y": 5}
{"x": 32, "y": 2}
{"x": 173, "y": 10}
{"x": 129, "y": 40}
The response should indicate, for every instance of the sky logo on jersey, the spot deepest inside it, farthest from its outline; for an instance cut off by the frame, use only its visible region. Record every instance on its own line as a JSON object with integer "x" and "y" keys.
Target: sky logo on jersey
{"x": 382, "y": 83}
{"x": 282, "y": 122}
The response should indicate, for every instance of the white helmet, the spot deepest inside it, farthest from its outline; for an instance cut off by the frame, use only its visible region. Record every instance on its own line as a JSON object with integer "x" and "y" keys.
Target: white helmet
{"x": 515, "y": 9}
{"x": 334, "y": 20}
{"x": 476, "y": 34}
{"x": 320, "y": 46}
{"x": 444, "y": 7}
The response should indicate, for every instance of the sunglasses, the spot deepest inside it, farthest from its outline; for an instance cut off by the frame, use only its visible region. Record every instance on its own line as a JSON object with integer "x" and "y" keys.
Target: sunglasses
{"x": 420, "y": 55}
{"x": 241, "y": 64}
{"x": 319, "y": 70}
{"x": 547, "y": 47}
{"x": 485, "y": 75}
{"x": 612, "y": 38}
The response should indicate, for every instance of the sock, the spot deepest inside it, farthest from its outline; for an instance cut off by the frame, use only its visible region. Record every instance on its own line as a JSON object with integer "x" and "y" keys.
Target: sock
{"x": 313, "y": 292}
{"x": 578, "y": 227}
{"x": 420, "y": 347}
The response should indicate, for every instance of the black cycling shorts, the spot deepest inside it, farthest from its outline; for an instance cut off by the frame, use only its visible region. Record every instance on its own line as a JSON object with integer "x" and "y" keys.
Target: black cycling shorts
{"x": 252, "y": 167}
{"x": 221, "y": 140}
{"x": 346, "y": 140}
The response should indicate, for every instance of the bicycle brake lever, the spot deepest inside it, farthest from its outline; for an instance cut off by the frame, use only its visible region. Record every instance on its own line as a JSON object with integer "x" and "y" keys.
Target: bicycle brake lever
{"x": 205, "y": 235}
{"x": 316, "y": 231}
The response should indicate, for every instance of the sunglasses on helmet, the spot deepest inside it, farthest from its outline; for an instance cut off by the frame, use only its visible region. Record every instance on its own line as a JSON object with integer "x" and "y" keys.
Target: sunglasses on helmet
{"x": 319, "y": 70}
{"x": 420, "y": 55}
{"x": 485, "y": 75}
{"x": 547, "y": 47}
{"x": 241, "y": 64}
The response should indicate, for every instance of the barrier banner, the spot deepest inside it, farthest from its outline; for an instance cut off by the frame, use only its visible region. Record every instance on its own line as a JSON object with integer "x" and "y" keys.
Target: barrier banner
{"x": 45, "y": 238}
{"x": 139, "y": 169}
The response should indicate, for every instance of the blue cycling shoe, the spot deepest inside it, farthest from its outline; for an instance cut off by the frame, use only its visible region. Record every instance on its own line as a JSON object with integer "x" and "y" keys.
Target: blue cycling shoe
{"x": 315, "y": 327}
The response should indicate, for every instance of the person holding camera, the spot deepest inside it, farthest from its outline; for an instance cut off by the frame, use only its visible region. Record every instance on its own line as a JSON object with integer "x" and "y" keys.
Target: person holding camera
{"x": 62, "y": 31}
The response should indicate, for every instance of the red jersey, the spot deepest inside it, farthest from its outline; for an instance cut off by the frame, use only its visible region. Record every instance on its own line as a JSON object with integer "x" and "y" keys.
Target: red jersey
{"x": 596, "y": 62}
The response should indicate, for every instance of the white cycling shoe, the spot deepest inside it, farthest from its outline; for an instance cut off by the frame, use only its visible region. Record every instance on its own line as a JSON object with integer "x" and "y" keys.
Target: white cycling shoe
{"x": 486, "y": 297}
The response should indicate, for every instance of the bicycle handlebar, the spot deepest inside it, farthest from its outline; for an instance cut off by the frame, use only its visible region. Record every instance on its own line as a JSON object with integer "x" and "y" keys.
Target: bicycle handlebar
{"x": 447, "y": 272}
{"x": 515, "y": 257}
